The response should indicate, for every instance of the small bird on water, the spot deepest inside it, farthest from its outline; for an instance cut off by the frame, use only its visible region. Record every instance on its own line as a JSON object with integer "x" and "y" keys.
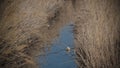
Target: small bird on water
{"x": 68, "y": 49}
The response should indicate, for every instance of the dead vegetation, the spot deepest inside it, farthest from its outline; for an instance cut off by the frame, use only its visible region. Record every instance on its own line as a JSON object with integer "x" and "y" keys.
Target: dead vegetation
{"x": 25, "y": 31}
{"x": 27, "y": 26}
{"x": 97, "y": 33}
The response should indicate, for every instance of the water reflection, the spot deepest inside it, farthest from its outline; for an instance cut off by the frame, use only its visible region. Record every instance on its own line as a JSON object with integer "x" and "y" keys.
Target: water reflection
{"x": 56, "y": 55}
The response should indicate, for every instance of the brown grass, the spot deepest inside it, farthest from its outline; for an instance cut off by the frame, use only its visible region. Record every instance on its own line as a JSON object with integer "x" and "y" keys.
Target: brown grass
{"x": 97, "y": 33}
{"x": 24, "y": 31}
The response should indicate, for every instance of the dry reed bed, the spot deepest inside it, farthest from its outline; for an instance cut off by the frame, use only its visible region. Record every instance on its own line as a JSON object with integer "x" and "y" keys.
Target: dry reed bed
{"x": 26, "y": 27}
{"x": 97, "y": 33}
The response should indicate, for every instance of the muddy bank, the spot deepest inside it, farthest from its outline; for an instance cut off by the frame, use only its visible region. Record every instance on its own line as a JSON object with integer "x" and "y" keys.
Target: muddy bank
{"x": 27, "y": 26}
{"x": 97, "y": 33}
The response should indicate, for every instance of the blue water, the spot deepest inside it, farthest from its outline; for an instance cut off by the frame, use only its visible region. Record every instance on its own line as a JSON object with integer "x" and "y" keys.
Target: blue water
{"x": 56, "y": 55}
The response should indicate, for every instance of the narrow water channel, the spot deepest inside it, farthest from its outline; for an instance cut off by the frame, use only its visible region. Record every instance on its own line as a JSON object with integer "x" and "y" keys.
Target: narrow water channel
{"x": 56, "y": 55}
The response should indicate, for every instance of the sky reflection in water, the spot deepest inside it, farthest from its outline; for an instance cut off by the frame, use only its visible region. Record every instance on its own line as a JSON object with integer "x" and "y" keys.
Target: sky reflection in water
{"x": 56, "y": 56}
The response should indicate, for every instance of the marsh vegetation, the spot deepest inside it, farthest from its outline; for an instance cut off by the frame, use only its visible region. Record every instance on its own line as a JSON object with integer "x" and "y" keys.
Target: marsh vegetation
{"x": 27, "y": 27}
